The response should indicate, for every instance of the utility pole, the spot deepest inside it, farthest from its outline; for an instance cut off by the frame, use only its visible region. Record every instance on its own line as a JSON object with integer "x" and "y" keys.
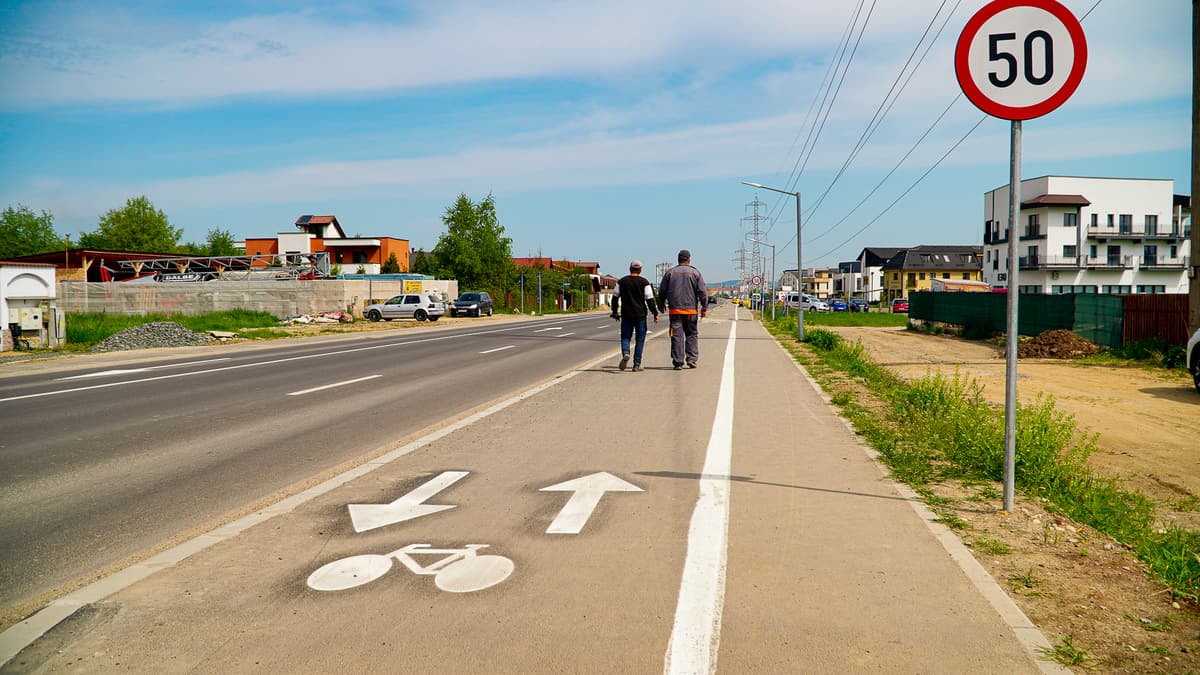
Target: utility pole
{"x": 1194, "y": 263}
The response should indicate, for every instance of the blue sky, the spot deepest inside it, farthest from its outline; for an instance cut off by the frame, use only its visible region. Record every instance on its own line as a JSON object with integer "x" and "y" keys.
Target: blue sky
{"x": 606, "y": 130}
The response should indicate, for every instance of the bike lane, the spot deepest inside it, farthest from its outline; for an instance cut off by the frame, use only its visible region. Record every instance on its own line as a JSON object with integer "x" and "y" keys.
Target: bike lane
{"x": 599, "y": 600}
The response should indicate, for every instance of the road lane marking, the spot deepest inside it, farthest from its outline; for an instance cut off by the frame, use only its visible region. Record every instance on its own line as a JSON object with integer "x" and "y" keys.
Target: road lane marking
{"x": 588, "y": 490}
{"x": 563, "y": 334}
{"x": 335, "y": 384}
{"x": 285, "y": 359}
{"x": 543, "y": 330}
{"x": 498, "y": 349}
{"x": 22, "y": 634}
{"x": 370, "y": 516}
{"x": 124, "y": 371}
{"x": 696, "y": 634}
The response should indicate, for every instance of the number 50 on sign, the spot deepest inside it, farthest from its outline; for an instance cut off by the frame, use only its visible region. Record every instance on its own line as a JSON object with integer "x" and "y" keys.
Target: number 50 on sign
{"x": 1020, "y": 59}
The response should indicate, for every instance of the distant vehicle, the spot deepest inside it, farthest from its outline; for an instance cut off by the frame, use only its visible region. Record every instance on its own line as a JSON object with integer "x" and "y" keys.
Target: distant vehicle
{"x": 1193, "y": 359}
{"x": 900, "y": 305}
{"x": 805, "y": 302}
{"x": 839, "y": 305}
{"x": 859, "y": 305}
{"x": 472, "y": 304}
{"x": 712, "y": 300}
{"x": 419, "y": 306}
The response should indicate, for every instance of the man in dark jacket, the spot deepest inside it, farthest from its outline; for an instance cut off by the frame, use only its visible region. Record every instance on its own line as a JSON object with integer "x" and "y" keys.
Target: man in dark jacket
{"x": 683, "y": 291}
{"x": 633, "y": 300}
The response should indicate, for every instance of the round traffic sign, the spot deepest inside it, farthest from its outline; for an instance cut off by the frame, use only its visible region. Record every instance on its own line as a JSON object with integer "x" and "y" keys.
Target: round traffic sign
{"x": 756, "y": 281}
{"x": 1020, "y": 59}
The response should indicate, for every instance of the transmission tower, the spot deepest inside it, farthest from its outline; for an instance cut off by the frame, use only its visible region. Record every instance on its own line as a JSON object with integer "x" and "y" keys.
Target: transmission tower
{"x": 755, "y": 233}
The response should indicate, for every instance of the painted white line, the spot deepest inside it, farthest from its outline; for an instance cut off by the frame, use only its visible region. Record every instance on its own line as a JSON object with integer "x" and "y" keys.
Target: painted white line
{"x": 270, "y": 362}
{"x": 498, "y": 349}
{"x": 697, "y": 630}
{"x": 120, "y": 371}
{"x": 335, "y": 384}
{"x": 543, "y": 330}
{"x": 563, "y": 334}
{"x": 24, "y": 633}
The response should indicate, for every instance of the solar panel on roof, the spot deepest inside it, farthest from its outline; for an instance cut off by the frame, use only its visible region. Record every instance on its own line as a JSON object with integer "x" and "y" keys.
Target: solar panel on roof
{"x": 303, "y": 220}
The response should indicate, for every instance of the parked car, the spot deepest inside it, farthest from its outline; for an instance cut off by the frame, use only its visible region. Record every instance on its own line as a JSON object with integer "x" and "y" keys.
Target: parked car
{"x": 1193, "y": 359}
{"x": 806, "y": 302}
{"x": 419, "y": 306}
{"x": 472, "y": 304}
{"x": 859, "y": 305}
{"x": 900, "y": 305}
{"x": 839, "y": 305}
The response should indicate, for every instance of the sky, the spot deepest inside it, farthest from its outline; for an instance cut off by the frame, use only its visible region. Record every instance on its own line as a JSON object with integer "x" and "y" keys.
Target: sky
{"x": 605, "y": 130}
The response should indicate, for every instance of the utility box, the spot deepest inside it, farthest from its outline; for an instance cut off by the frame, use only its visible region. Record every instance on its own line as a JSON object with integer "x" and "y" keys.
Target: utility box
{"x": 28, "y": 307}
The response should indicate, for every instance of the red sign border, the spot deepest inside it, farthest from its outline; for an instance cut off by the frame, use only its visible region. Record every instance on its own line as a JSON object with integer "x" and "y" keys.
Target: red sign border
{"x": 975, "y": 95}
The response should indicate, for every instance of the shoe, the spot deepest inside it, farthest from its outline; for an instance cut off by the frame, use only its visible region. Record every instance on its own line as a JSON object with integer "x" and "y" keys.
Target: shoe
{"x": 678, "y": 367}
{"x": 691, "y": 364}
{"x": 624, "y": 361}
{"x": 637, "y": 367}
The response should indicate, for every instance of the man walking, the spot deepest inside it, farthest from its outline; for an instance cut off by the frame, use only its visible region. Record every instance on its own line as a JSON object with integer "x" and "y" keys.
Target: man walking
{"x": 683, "y": 291}
{"x": 633, "y": 300}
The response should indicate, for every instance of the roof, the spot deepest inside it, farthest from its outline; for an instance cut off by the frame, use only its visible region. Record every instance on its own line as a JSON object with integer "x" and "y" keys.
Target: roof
{"x": 12, "y": 263}
{"x": 303, "y": 223}
{"x": 877, "y": 255}
{"x": 936, "y": 257}
{"x": 1058, "y": 200}
{"x": 1182, "y": 200}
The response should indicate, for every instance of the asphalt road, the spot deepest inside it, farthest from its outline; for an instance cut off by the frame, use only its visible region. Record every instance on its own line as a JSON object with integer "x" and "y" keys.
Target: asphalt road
{"x": 103, "y": 462}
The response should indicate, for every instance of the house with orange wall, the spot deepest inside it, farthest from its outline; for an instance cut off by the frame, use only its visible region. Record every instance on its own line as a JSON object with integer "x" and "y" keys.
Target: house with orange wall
{"x": 324, "y": 233}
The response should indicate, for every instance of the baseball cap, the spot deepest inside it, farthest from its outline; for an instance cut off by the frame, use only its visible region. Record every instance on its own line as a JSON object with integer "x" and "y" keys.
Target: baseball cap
{"x": 684, "y": 254}
{"x": 635, "y": 264}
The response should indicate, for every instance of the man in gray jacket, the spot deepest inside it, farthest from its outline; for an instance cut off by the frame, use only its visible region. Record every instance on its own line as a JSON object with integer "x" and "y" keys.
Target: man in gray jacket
{"x": 683, "y": 295}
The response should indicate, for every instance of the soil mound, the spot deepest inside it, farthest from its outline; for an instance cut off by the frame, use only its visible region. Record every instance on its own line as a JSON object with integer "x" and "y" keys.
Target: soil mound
{"x": 1057, "y": 344}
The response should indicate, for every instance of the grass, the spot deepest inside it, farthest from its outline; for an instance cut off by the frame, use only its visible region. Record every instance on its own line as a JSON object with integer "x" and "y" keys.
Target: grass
{"x": 1027, "y": 579}
{"x": 86, "y": 330}
{"x": 940, "y": 427}
{"x": 872, "y": 319}
{"x": 992, "y": 547}
{"x": 1066, "y": 653}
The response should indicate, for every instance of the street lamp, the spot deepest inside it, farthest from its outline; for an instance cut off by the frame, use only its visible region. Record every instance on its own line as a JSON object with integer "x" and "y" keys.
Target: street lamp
{"x": 772, "y": 286}
{"x": 799, "y": 264}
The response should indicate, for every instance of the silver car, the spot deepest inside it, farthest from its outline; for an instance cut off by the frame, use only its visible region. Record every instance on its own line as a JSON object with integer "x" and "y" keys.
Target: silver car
{"x": 419, "y": 306}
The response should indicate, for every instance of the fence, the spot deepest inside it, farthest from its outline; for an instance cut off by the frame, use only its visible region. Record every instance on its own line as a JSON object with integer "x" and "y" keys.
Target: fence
{"x": 1110, "y": 320}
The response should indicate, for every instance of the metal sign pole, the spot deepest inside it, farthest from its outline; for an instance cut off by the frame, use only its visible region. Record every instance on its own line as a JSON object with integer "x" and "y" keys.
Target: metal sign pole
{"x": 1010, "y": 364}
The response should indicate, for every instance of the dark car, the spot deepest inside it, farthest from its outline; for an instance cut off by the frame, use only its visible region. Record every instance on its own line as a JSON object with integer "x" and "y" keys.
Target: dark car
{"x": 472, "y": 304}
{"x": 859, "y": 305}
{"x": 900, "y": 305}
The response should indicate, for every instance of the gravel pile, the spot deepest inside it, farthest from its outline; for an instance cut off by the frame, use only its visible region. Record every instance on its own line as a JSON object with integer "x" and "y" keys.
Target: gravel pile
{"x": 1057, "y": 344}
{"x": 156, "y": 334}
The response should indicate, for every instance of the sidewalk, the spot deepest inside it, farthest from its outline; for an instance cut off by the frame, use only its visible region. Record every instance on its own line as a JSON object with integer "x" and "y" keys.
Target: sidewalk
{"x": 830, "y": 567}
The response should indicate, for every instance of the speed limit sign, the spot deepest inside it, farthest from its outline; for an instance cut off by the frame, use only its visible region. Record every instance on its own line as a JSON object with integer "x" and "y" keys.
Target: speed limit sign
{"x": 1020, "y": 59}
{"x": 756, "y": 281}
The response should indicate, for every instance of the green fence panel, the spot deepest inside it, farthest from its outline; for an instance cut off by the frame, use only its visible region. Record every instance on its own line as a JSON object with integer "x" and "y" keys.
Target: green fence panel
{"x": 1098, "y": 318}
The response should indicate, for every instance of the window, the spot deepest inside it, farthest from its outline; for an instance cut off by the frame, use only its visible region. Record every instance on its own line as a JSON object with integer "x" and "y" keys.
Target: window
{"x": 1151, "y": 288}
{"x": 945, "y": 275}
{"x": 1069, "y": 251}
{"x": 912, "y": 278}
{"x": 1110, "y": 221}
{"x": 1151, "y": 224}
{"x": 1126, "y": 222}
{"x": 1070, "y": 220}
{"x": 1092, "y": 251}
{"x": 1115, "y": 289}
{"x": 1174, "y": 251}
{"x": 988, "y": 255}
{"x": 922, "y": 276}
{"x": 966, "y": 276}
{"x": 1030, "y": 290}
{"x": 996, "y": 263}
{"x": 1095, "y": 220}
{"x": 360, "y": 257}
{"x": 1150, "y": 254}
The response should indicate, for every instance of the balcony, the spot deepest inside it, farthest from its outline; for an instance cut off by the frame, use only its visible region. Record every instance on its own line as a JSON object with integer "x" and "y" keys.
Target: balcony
{"x": 1112, "y": 262}
{"x": 1135, "y": 233}
{"x": 1041, "y": 262}
{"x": 1035, "y": 232}
{"x": 1165, "y": 262}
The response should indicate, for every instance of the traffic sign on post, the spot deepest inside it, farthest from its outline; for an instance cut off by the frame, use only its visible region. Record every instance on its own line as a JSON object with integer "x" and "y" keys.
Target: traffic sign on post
{"x": 1017, "y": 60}
{"x": 1020, "y": 59}
{"x": 756, "y": 281}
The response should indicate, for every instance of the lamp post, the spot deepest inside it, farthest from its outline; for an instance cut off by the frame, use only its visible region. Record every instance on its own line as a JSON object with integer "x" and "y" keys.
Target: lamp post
{"x": 772, "y": 284}
{"x": 799, "y": 258}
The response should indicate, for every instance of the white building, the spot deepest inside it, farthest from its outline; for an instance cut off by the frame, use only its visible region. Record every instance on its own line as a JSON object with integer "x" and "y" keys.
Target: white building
{"x": 871, "y": 261}
{"x": 1091, "y": 235}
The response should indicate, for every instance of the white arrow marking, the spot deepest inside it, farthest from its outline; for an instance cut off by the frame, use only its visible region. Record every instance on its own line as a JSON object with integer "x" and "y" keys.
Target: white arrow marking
{"x": 370, "y": 516}
{"x": 588, "y": 491}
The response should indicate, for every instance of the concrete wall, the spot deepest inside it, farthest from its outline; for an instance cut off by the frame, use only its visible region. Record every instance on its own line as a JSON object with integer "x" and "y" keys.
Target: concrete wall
{"x": 281, "y": 298}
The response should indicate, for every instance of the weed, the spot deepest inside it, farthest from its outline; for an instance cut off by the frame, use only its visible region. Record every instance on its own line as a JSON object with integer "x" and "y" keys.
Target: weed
{"x": 950, "y": 520}
{"x": 1066, "y": 653}
{"x": 1028, "y": 579}
{"x": 1189, "y": 503}
{"x": 992, "y": 547}
{"x": 841, "y": 398}
{"x": 1165, "y": 626}
{"x": 1156, "y": 650}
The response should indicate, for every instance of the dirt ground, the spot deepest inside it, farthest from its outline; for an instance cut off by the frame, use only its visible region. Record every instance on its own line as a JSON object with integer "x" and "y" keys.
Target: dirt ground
{"x": 1075, "y": 583}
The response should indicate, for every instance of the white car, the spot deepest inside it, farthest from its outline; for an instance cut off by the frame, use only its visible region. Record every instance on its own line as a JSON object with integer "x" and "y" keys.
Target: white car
{"x": 419, "y": 306}
{"x": 1193, "y": 359}
{"x": 806, "y": 302}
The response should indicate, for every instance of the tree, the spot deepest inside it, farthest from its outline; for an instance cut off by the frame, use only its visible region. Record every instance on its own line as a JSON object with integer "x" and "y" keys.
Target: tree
{"x": 220, "y": 242}
{"x": 392, "y": 266}
{"x": 138, "y": 226}
{"x": 22, "y": 232}
{"x": 422, "y": 263}
{"x": 474, "y": 249}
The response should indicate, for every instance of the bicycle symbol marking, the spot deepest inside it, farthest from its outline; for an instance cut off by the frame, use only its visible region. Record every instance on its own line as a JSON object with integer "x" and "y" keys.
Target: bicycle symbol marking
{"x": 461, "y": 570}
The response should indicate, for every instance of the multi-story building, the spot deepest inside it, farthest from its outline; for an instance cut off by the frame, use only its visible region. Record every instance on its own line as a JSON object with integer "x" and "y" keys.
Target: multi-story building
{"x": 1091, "y": 235}
{"x": 871, "y": 261}
{"x": 314, "y": 234}
{"x": 849, "y": 282}
{"x": 914, "y": 269}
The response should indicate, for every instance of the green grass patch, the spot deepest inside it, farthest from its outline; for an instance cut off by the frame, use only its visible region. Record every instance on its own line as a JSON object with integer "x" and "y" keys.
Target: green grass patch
{"x": 86, "y": 330}
{"x": 940, "y": 427}
{"x": 1066, "y": 653}
{"x": 992, "y": 547}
